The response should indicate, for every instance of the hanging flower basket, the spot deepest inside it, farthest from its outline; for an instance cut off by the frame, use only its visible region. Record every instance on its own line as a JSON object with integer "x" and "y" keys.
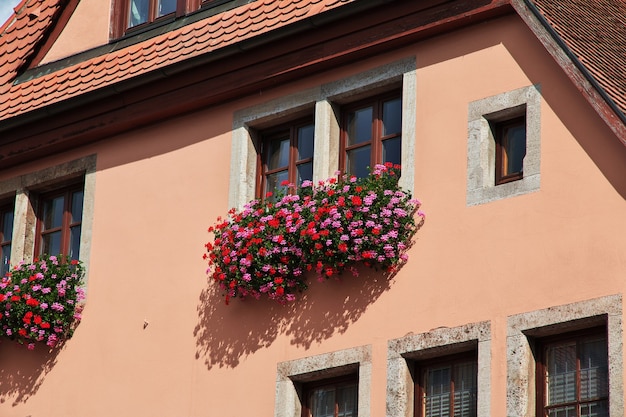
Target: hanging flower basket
{"x": 267, "y": 248}
{"x": 41, "y": 301}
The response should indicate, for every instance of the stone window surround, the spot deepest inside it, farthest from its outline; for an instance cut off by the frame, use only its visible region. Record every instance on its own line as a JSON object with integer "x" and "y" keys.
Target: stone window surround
{"x": 523, "y": 328}
{"x": 323, "y": 101}
{"x": 292, "y": 374}
{"x": 481, "y": 147}
{"x": 24, "y": 189}
{"x": 403, "y": 352}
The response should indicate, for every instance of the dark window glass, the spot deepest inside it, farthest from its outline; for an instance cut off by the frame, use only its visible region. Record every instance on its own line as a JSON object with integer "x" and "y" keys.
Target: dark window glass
{"x": 6, "y": 217}
{"x": 574, "y": 376}
{"x": 337, "y": 397}
{"x": 510, "y": 149}
{"x": 59, "y": 222}
{"x": 286, "y": 155}
{"x": 371, "y": 134}
{"x": 138, "y": 12}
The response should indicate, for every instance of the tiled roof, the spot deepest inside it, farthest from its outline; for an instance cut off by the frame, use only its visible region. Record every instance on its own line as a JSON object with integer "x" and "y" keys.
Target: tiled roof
{"x": 20, "y": 34}
{"x": 195, "y": 39}
{"x": 595, "y": 31}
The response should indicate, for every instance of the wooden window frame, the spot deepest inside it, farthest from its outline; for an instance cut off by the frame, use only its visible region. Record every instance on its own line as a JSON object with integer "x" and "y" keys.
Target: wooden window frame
{"x": 500, "y": 128}
{"x": 66, "y": 225}
{"x": 336, "y": 382}
{"x": 120, "y": 16}
{"x": 420, "y": 372}
{"x": 541, "y": 382}
{"x": 376, "y": 143}
{"x": 4, "y": 242}
{"x": 275, "y": 132}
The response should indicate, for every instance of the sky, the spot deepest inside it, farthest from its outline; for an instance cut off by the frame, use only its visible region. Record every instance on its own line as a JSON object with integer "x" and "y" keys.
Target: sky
{"x": 6, "y": 9}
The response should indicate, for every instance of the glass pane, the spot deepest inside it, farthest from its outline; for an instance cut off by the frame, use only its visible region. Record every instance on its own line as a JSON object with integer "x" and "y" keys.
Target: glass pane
{"x": 7, "y": 226}
{"x": 53, "y": 212}
{"x": 74, "y": 242}
{"x": 358, "y": 161}
{"x": 138, "y": 12}
{"x": 514, "y": 147}
{"x": 359, "y": 126}
{"x": 392, "y": 117}
{"x": 305, "y": 172}
{"x": 594, "y": 380}
{"x": 392, "y": 150}
{"x": 561, "y": 365}
{"x": 277, "y": 153}
{"x": 323, "y": 403}
{"x": 272, "y": 181}
{"x": 166, "y": 7}
{"x": 465, "y": 389}
{"x": 563, "y": 412}
{"x": 6, "y": 259}
{"x": 437, "y": 393}
{"x": 596, "y": 409}
{"x": 347, "y": 399}
{"x": 77, "y": 207}
{"x": 305, "y": 141}
{"x": 51, "y": 243}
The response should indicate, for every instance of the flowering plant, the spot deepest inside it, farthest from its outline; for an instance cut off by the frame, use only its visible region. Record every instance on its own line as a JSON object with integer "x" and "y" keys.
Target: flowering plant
{"x": 327, "y": 228}
{"x": 41, "y": 301}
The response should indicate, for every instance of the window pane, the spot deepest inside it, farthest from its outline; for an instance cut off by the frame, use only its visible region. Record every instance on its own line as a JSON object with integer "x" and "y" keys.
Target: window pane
{"x": 305, "y": 141}
{"x": 77, "y": 207}
{"x": 347, "y": 398}
{"x": 138, "y": 12}
{"x": 593, "y": 369}
{"x": 392, "y": 117}
{"x": 305, "y": 172}
{"x": 277, "y": 153}
{"x": 74, "y": 242}
{"x": 596, "y": 409}
{"x": 6, "y": 259}
{"x": 53, "y": 213}
{"x": 438, "y": 392}
{"x": 51, "y": 243}
{"x": 561, "y": 373}
{"x": 359, "y": 126}
{"x": 166, "y": 7}
{"x": 272, "y": 181}
{"x": 7, "y": 226}
{"x": 358, "y": 161}
{"x": 465, "y": 389}
{"x": 563, "y": 412}
{"x": 392, "y": 151}
{"x": 514, "y": 148}
{"x": 323, "y": 403}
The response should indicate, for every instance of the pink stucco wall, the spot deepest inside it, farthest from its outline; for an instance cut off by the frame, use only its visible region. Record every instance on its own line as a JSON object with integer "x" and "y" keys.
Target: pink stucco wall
{"x": 159, "y": 188}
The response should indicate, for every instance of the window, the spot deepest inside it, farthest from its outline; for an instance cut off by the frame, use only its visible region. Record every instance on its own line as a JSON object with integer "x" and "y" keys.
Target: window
{"x": 59, "y": 221}
{"x": 286, "y": 155}
{"x": 447, "y": 387}
{"x": 337, "y": 397}
{"x": 573, "y": 375}
{"x": 504, "y": 145}
{"x": 563, "y": 360}
{"x": 510, "y": 138}
{"x": 445, "y": 372}
{"x": 6, "y": 230}
{"x": 371, "y": 134}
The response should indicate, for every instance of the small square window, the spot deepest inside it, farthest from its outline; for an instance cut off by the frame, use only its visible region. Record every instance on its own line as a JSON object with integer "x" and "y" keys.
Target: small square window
{"x": 286, "y": 155}
{"x": 573, "y": 375}
{"x": 447, "y": 386}
{"x": 59, "y": 221}
{"x": 371, "y": 134}
{"x": 6, "y": 235}
{"x": 510, "y": 138}
{"x": 336, "y": 397}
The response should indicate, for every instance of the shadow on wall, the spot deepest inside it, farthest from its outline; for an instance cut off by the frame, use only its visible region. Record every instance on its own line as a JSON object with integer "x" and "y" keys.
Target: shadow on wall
{"x": 23, "y": 371}
{"x": 225, "y": 334}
